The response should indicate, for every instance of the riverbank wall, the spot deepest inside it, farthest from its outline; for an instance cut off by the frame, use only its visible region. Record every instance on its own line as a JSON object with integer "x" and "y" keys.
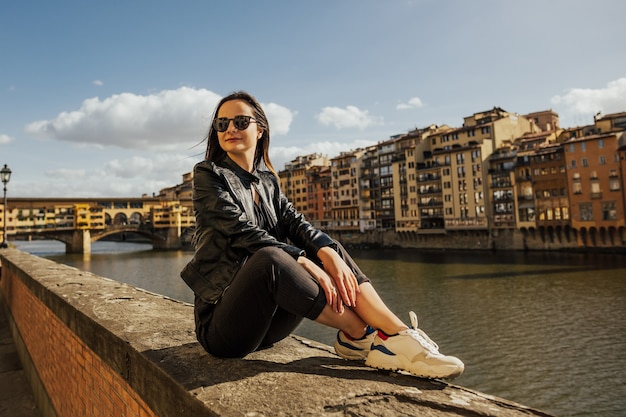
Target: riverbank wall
{"x": 98, "y": 347}
{"x": 568, "y": 240}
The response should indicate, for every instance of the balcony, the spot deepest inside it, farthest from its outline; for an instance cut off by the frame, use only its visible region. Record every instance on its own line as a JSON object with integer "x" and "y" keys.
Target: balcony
{"x": 596, "y": 196}
{"x": 429, "y": 190}
{"x": 466, "y": 223}
{"x": 430, "y": 203}
{"x": 429, "y": 177}
{"x": 501, "y": 184}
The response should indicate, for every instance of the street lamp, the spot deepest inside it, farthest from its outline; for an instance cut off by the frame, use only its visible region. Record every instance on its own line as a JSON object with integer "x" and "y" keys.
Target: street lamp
{"x": 5, "y": 176}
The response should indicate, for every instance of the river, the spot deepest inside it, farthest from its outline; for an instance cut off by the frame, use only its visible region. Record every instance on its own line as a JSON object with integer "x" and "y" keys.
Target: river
{"x": 547, "y": 330}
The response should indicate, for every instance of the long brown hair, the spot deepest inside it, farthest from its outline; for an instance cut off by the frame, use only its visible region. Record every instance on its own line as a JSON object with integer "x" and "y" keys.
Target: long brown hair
{"x": 214, "y": 151}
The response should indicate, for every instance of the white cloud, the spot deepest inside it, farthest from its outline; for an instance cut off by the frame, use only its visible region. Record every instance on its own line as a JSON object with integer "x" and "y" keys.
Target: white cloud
{"x": 129, "y": 168}
{"x": 97, "y": 83}
{"x": 156, "y": 167}
{"x": 413, "y": 103}
{"x": 4, "y": 139}
{"x": 279, "y": 118}
{"x": 349, "y": 117}
{"x": 162, "y": 121}
{"x": 586, "y": 102}
{"x": 133, "y": 176}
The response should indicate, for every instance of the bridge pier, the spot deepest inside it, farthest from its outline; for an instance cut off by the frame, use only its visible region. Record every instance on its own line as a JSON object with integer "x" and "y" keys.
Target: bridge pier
{"x": 171, "y": 240}
{"x": 81, "y": 242}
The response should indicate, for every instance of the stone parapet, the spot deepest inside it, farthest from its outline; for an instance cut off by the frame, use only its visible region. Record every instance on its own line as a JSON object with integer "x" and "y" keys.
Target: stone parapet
{"x": 95, "y": 346}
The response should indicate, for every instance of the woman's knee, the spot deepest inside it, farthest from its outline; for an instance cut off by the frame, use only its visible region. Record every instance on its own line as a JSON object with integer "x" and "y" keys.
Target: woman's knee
{"x": 267, "y": 259}
{"x": 272, "y": 252}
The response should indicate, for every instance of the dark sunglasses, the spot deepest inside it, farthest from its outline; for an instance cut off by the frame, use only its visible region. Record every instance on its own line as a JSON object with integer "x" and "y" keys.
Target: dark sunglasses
{"x": 241, "y": 122}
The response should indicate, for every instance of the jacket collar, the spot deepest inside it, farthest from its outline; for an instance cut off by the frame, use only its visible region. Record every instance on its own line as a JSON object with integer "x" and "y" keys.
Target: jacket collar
{"x": 244, "y": 175}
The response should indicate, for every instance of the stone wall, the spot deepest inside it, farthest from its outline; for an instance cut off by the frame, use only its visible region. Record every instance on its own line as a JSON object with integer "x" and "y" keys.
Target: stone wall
{"x": 96, "y": 347}
{"x": 497, "y": 239}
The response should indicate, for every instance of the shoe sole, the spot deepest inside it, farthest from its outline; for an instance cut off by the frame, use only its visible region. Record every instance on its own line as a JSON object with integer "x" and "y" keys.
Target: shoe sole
{"x": 379, "y": 360}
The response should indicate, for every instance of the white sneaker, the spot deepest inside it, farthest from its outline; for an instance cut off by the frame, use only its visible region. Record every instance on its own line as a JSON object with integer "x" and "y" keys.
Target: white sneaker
{"x": 354, "y": 349}
{"x": 412, "y": 351}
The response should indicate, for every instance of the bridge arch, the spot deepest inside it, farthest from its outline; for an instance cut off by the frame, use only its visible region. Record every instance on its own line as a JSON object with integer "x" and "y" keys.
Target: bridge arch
{"x": 135, "y": 218}
{"x": 120, "y": 219}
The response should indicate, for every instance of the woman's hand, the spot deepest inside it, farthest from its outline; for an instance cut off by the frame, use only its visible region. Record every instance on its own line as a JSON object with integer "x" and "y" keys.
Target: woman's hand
{"x": 325, "y": 281}
{"x": 342, "y": 275}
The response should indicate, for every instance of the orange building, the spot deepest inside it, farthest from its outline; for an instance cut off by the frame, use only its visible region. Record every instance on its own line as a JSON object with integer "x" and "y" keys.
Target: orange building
{"x": 319, "y": 196}
{"x": 596, "y": 188}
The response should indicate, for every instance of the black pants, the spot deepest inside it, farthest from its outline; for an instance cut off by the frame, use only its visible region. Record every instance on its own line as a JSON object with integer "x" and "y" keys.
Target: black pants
{"x": 266, "y": 301}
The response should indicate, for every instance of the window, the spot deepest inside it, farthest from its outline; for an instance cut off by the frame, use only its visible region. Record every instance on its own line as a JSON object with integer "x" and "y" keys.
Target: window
{"x": 608, "y": 211}
{"x": 573, "y": 163}
{"x": 584, "y": 162}
{"x": 527, "y": 215}
{"x": 602, "y": 160}
{"x": 614, "y": 184}
{"x": 600, "y": 143}
{"x": 586, "y": 212}
{"x": 583, "y": 146}
{"x": 595, "y": 187}
{"x": 577, "y": 188}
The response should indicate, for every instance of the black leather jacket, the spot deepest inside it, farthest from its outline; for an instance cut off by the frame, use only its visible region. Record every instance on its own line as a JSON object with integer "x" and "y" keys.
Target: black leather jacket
{"x": 226, "y": 233}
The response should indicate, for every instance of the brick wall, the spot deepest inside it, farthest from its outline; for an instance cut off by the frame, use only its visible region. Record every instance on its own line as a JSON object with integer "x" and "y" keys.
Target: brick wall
{"x": 92, "y": 346}
{"x": 76, "y": 379}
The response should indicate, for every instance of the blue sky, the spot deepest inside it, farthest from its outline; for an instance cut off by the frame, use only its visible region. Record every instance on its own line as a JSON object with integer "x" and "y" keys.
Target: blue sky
{"x": 112, "y": 99}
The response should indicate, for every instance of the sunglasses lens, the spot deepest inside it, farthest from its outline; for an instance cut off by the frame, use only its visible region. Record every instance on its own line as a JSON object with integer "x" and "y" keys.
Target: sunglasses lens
{"x": 242, "y": 122}
{"x": 221, "y": 124}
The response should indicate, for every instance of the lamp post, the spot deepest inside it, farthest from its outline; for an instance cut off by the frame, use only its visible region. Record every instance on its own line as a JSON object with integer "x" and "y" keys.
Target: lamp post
{"x": 5, "y": 176}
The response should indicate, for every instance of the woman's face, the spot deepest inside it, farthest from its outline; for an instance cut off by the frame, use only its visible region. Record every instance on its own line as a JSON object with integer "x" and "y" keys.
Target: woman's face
{"x": 240, "y": 145}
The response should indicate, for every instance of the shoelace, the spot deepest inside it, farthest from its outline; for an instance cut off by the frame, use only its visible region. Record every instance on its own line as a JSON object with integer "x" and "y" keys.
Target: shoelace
{"x": 421, "y": 336}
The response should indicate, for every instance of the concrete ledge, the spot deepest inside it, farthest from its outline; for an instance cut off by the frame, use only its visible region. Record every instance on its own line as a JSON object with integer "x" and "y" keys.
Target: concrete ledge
{"x": 147, "y": 341}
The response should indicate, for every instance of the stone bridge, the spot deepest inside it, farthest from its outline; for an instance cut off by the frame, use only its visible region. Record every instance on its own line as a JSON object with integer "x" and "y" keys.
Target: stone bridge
{"x": 80, "y": 240}
{"x": 165, "y": 222}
